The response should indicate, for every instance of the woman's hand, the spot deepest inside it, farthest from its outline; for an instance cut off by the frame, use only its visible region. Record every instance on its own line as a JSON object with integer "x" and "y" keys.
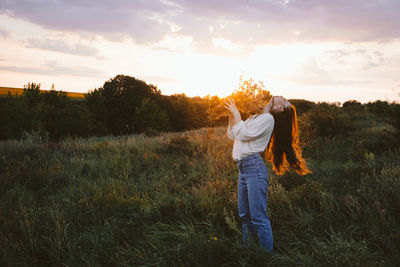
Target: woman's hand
{"x": 231, "y": 106}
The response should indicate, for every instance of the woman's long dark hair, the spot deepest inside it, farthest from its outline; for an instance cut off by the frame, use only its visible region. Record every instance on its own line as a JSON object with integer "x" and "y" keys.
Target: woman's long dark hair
{"x": 284, "y": 151}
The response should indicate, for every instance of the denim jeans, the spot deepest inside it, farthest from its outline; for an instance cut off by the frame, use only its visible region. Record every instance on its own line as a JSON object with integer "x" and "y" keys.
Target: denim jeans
{"x": 252, "y": 200}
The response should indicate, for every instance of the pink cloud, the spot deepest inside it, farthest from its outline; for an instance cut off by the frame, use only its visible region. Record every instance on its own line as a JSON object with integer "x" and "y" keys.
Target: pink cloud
{"x": 243, "y": 22}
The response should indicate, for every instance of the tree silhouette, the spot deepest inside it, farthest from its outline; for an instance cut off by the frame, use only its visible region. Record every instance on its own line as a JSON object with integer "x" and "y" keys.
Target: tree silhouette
{"x": 118, "y": 106}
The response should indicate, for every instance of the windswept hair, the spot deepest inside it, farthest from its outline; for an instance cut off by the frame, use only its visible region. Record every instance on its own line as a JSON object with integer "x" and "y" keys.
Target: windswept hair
{"x": 284, "y": 151}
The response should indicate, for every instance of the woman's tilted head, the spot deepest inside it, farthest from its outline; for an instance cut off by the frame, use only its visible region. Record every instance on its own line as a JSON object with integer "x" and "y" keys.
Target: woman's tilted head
{"x": 284, "y": 151}
{"x": 279, "y": 104}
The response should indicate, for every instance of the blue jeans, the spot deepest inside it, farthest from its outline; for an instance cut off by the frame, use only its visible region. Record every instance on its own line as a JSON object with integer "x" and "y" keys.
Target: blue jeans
{"x": 252, "y": 200}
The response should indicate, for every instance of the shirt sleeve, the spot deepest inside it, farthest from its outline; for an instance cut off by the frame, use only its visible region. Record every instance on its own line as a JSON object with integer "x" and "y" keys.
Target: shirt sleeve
{"x": 254, "y": 127}
{"x": 230, "y": 133}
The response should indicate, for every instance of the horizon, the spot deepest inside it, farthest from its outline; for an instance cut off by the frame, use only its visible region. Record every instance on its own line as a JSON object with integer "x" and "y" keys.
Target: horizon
{"x": 317, "y": 102}
{"x": 319, "y": 51}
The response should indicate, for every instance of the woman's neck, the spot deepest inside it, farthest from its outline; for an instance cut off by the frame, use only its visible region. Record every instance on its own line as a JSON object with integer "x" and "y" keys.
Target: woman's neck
{"x": 267, "y": 108}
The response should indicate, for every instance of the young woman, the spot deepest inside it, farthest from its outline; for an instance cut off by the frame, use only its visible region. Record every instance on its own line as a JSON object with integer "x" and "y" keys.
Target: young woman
{"x": 275, "y": 131}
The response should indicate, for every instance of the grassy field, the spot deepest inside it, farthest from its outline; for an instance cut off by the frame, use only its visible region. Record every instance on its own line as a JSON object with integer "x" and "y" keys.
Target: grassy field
{"x": 18, "y": 91}
{"x": 171, "y": 200}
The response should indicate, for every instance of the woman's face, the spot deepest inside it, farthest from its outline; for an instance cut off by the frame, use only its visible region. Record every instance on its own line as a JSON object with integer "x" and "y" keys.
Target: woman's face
{"x": 279, "y": 104}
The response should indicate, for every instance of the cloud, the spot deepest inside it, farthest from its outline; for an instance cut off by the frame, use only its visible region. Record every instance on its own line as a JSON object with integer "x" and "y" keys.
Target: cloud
{"x": 63, "y": 47}
{"x": 311, "y": 73}
{"x": 338, "y": 54}
{"x": 374, "y": 60}
{"x": 369, "y": 59}
{"x": 53, "y": 68}
{"x": 175, "y": 43}
{"x": 286, "y": 21}
{"x": 4, "y": 34}
{"x": 142, "y": 20}
{"x": 241, "y": 22}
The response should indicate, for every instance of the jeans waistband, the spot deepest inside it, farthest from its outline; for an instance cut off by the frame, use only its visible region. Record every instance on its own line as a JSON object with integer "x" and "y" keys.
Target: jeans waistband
{"x": 249, "y": 157}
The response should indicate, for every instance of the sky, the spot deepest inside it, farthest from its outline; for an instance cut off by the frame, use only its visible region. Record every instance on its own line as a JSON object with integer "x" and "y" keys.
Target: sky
{"x": 318, "y": 50}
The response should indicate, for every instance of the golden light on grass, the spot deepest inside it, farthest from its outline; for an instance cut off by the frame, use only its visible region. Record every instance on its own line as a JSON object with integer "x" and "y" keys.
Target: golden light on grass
{"x": 14, "y": 91}
{"x": 18, "y": 92}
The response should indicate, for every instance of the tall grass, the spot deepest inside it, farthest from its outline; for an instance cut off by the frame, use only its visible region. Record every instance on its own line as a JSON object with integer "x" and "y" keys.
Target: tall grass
{"x": 170, "y": 200}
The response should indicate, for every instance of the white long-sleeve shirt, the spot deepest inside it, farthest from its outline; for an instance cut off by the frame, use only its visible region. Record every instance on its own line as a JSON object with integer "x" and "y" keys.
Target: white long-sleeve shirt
{"x": 251, "y": 136}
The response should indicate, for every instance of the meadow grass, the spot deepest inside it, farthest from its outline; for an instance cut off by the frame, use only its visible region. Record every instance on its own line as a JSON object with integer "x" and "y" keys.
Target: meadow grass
{"x": 171, "y": 200}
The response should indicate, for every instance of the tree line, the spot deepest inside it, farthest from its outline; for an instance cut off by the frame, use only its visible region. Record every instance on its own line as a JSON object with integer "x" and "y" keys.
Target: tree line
{"x": 126, "y": 105}
{"x": 123, "y": 105}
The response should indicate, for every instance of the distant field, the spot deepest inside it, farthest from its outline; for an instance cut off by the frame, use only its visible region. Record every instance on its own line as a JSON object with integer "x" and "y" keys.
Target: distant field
{"x": 18, "y": 91}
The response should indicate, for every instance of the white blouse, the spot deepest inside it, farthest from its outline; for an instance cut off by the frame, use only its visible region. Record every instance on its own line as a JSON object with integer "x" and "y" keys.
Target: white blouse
{"x": 251, "y": 136}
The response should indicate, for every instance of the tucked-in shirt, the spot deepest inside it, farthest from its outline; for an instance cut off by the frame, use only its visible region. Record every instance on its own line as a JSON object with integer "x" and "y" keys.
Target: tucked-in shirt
{"x": 251, "y": 136}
